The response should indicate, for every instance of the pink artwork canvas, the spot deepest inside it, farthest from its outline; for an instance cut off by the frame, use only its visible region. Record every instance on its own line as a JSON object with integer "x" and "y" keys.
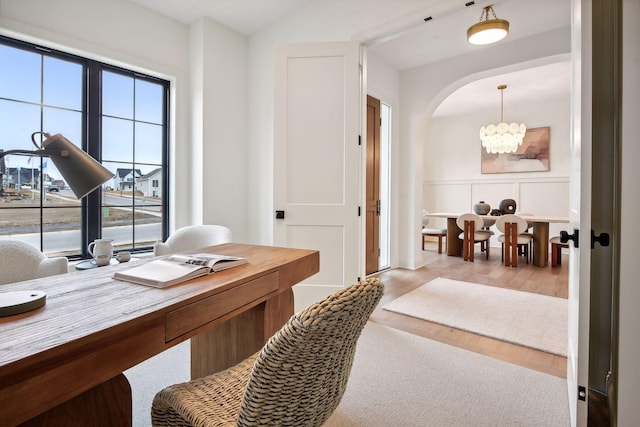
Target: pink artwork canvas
{"x": 531, "y": 156}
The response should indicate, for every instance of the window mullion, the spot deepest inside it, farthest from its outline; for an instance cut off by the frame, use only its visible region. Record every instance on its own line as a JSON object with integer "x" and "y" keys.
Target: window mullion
{"x": 91, "y": 204}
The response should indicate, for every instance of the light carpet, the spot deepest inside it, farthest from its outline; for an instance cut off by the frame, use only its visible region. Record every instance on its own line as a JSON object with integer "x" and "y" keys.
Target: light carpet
{"x": 524, "y": 318}
{"x": 400, "y": 379}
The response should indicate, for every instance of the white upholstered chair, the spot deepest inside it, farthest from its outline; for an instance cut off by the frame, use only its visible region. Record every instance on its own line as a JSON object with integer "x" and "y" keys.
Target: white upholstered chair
{"x": 514, "y": 237}
{"x": 556, "y": 250}
{"x": 438, "y": 233}
{"x": 20, "y": 261}
{"x": 472, "y": 233}
{"x": 528, "y": 231}
{"x": 193, "y": 237}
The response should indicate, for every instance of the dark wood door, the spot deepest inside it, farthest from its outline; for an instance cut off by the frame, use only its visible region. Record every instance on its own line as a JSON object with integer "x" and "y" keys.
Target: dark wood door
{"x": 372, "y": 217}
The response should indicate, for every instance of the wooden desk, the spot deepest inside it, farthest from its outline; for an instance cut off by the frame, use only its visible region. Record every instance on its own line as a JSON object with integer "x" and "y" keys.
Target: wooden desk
{"x": 63, "y": 363}
{"x": 540, "y": 234}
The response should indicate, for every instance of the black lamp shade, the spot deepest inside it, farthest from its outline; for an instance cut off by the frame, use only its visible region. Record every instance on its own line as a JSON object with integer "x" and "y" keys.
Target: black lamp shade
{"x": 81, "y": 172}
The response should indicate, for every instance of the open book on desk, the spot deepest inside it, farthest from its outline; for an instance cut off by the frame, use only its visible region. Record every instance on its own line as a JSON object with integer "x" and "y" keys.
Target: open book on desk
{"x": 161, "y": 273}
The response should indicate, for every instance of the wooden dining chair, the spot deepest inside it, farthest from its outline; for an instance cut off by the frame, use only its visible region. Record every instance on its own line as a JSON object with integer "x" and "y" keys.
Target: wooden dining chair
{"x": 438, "y": 233}
{"x": 513, "y": 239}
{"x": 529, "y": 231}
{"x": 556, "y": 251}
{"x": 472, "y": 233}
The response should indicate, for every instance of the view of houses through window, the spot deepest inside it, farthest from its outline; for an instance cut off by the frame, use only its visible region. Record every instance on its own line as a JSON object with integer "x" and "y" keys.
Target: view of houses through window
{"x": 118, "y": 116}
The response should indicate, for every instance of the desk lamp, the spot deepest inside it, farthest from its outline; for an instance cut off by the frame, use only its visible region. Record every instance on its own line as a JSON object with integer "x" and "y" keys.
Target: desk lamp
{"x": 82, "y": 173}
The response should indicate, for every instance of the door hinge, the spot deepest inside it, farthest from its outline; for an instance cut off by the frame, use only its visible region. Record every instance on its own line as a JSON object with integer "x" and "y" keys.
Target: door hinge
{"x": 359, "y": 213}
{"x": 359, "y": 139}
{"x": 360, "y": 69}
{"x": 359, "y": 279}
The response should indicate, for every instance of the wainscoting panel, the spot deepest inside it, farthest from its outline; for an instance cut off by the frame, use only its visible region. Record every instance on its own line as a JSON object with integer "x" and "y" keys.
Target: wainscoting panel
{"x": 445, "y": 197}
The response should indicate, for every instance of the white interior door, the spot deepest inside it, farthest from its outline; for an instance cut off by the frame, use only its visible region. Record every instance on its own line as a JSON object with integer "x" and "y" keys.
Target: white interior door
{"x": 595, "y": 209}
{"x": 580, "y": 210}
{"x": 318, "y": 160}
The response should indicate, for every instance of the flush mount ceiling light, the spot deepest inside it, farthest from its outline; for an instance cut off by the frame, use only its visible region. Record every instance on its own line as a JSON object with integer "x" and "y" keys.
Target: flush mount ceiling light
{"x": 488, "y": 30}
{"x": 502, "y": 138}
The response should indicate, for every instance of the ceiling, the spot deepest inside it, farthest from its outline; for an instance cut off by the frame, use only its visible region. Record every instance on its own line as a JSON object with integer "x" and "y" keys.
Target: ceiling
{"x": 440, "y": 38}
{"x": 244, "y": 16}
{"x": 446, "y": 36}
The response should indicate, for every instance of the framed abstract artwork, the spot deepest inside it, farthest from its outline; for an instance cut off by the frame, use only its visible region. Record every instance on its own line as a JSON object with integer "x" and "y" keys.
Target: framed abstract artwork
{"x": 531, "y": 156}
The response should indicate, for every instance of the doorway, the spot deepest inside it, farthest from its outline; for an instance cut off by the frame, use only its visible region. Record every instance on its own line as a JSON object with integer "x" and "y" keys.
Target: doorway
{"x": 377, "y": 185}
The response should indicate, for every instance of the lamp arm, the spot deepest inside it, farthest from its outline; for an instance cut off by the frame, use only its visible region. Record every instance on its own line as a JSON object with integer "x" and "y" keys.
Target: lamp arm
{"x": 40, "y": 153}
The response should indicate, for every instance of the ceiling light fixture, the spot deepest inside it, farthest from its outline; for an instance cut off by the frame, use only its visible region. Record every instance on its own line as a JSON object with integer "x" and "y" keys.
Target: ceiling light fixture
{"x": 502, "y": 138}
{"x": 488, "y": 31}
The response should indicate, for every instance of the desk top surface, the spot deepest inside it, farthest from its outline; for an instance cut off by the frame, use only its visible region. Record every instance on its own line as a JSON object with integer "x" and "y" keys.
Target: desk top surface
{"x": 532, "y": 218}
{"x": 84, "y": 304}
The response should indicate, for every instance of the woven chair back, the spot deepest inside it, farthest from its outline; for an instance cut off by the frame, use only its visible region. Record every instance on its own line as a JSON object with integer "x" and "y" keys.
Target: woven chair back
{"x": 301, "y": 374}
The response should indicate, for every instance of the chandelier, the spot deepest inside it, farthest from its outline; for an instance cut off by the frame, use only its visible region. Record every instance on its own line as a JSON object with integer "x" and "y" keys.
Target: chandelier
{"x": 488, "y": 31}
{"x": 502, "y": 138}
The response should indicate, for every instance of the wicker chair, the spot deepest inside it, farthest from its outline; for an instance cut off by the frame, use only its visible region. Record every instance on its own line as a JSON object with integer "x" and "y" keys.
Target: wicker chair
{"x": 193, "y": 237}
{"x": 297, "y": 379}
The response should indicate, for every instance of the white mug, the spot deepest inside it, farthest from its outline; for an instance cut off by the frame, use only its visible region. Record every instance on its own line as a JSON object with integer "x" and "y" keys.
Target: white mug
{"x": 101, "y": 250}
{"x": 123, "y": 257}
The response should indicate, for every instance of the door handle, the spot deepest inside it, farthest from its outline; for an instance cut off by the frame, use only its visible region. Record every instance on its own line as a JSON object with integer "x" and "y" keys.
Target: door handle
{"x": 279, "y": 214}
{"x": 565, "y": 237}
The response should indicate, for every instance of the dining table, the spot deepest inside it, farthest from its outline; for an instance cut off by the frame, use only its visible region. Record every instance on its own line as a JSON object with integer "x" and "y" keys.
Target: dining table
{"x": 540, "y": 225}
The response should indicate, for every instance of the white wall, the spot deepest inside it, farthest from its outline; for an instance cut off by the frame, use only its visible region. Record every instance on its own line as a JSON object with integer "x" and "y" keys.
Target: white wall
{"x": 219, "y": 127}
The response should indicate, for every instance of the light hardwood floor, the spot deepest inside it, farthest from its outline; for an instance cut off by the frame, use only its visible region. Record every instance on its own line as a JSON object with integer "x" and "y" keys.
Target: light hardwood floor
{"x": 526, "y": 277}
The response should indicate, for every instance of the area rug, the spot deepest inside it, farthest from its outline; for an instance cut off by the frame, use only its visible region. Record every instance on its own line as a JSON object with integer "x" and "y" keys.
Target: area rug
{"x": 524, "y": 318}
{"x": 400, "y": 379}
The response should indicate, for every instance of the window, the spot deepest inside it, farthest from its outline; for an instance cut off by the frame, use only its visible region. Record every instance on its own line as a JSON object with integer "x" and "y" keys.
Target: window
{"x": 118, "y": 116}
